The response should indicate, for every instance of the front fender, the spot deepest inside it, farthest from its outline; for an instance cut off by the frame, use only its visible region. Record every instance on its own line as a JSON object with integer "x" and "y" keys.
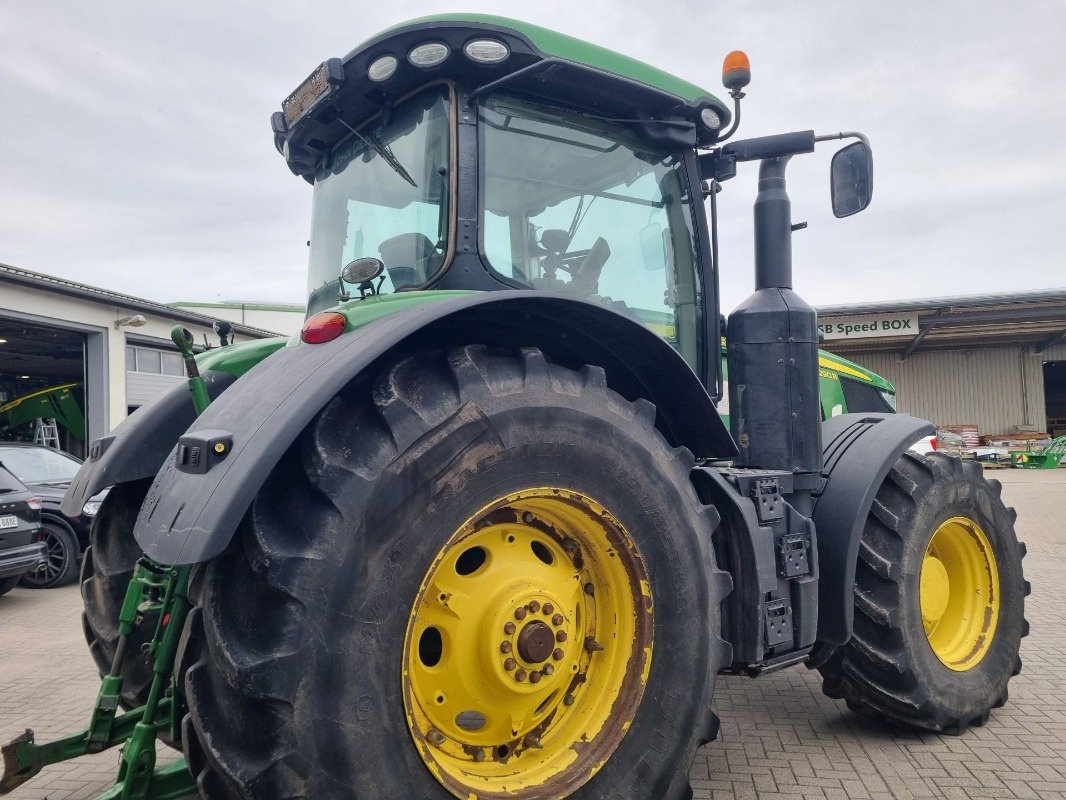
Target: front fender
{"x": 858, "y": 450}
{"x": 190, "y": 512}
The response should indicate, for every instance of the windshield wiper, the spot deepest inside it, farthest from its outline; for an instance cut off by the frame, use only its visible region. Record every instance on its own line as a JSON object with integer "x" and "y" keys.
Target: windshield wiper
{"x": 386, "y": 154}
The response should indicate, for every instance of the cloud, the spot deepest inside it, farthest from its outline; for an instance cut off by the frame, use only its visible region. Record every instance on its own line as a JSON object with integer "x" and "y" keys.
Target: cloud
{"x": 136, "y": 154}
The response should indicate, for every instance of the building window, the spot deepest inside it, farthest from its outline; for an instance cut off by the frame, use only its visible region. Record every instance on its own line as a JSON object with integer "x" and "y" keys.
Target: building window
{"x": 155, "y": 362}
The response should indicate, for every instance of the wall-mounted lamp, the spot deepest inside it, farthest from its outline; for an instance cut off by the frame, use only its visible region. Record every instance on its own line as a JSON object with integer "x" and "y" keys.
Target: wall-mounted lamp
{"x": 135, "y": 321}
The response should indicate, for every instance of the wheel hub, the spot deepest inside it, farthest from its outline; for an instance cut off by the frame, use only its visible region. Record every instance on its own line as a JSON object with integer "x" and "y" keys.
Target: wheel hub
{"x": 536, "y": 642}
{"x": 959, "y": 593}
{"x": 509, "y": 692}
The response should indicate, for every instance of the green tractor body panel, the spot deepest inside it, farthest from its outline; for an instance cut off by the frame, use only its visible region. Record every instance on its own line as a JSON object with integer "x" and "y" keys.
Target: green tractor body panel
{"x": 559, "y": 45}
{"x": 363, "y": 312}
{"x": 839, "y": 378}
{"x": 237, "y": 359}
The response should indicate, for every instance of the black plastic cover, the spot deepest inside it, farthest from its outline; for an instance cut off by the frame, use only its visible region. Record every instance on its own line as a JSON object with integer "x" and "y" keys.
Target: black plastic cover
{"x": 187, "y": 518}
{"x": 137, "y": 447}
{"x": 859, "y": 450}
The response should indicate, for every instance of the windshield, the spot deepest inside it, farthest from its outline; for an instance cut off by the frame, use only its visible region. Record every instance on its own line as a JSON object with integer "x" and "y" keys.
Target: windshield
{"x": 384, "y": 194}
{"x": 578, "y": 205}
{"x": 39, "y": 464}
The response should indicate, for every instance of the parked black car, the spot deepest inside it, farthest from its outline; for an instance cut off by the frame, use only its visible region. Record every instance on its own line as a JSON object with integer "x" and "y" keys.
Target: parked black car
{"x": 47, "y": 472}
{"x": 20, "y": 521}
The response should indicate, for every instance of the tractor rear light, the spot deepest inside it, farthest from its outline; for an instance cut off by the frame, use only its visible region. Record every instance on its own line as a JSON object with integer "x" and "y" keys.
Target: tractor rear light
{"x": 486, "y": 51}
{"x": 381, "y": 69}
{"x": 711, "y": 119}
{"x": 323, "y": 327}
{"x": 35, "y": 503}
{"x": 934, "y": 442}
{"x": 429, "y": 54}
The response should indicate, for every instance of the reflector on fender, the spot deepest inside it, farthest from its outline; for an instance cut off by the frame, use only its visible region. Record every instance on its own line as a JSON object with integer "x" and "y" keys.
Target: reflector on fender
{"x": 323, "y": 327}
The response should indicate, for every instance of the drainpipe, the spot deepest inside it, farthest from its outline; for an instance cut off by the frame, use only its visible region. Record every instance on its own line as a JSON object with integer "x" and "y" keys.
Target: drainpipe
{"x": 1025, "y": 387}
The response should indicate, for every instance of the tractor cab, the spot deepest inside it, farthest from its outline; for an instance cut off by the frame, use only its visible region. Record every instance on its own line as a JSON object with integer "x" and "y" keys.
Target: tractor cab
{"x": 483, "y": 154}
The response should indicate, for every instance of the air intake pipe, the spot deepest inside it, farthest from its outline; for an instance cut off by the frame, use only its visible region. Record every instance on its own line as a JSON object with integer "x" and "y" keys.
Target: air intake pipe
{"x": 772, "y": 346}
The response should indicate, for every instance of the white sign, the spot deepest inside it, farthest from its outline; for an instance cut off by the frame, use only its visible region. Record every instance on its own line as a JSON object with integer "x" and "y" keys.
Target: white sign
{"x": 869, "y": 327}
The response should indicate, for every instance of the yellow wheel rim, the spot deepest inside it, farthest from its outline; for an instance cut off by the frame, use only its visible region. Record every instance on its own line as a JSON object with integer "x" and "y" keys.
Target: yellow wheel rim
{"x": 959, "y": 593}
{"x": 528, "y": 647}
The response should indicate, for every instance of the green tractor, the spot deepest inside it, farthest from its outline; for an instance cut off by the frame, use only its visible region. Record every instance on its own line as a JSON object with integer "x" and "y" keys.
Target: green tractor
{"x": 480, "y": 530}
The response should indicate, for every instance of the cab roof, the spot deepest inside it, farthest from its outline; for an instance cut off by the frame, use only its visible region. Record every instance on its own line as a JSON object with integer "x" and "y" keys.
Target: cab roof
{"x": 553, "y": 66}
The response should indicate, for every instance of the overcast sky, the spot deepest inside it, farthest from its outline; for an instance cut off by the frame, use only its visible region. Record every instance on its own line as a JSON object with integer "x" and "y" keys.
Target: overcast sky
{"x": 136, "y": 153}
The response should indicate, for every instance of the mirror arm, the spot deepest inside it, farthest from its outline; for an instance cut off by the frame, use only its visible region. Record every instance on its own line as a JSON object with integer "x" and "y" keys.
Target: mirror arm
{"x": 737, "y": 95}
{"x": 843, "y": 135}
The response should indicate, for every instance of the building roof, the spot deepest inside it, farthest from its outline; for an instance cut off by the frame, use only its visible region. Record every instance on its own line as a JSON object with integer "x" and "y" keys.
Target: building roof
{"x": 253, "y": 305}
{"x": 81, "y": 291}
{"x": 946, "y": 303}
{"x": 1036, "y": 320}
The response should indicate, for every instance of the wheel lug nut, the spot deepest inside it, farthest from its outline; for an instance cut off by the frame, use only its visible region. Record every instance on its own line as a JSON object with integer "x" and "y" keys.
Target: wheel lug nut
{"x": 435, "y": 737}
{"x": 534, "y": 606}
{"x": 557, "y": 654}
{"x": 520, "y": 613}
{"x": 549, "y": 669}
{"x": 560, "y": 636}
{"x": 479, "y": 755}
{"x": 520, "y": 675}
{"x": 558, "y": 620}
{"x": 510, "y": 664}
{"x": 505, "y": 647}
{"x": 590, "y": 589}
{"x": 535, "y": 677}
{"x": 534, "y": 742}
{"x": 509, "y": 628}
{"x": 569, "y": 699}
{"x": 549, "y": 609}
{"x": 528, "y": 518}
{"x": 592, "y": 645}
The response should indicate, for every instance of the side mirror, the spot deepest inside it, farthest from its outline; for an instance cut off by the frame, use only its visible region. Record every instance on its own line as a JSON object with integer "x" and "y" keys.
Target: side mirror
{"x": 652, "y": 247}
{"x": 852, "y": 179}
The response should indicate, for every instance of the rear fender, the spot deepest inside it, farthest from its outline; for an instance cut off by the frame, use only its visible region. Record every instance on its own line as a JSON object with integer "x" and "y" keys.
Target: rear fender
{"x": 191, "y": 511}
{"x": 857, "y": 453}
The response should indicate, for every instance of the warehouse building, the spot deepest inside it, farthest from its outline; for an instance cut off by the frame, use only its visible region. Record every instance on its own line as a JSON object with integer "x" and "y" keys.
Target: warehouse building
{"x": 995, "y": 361}
{"x": 85, "y": 357}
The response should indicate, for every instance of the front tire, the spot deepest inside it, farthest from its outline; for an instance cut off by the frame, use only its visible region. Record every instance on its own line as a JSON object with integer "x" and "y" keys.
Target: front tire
{"x": 939, "y": 600}
{"x": 296, "y": 683}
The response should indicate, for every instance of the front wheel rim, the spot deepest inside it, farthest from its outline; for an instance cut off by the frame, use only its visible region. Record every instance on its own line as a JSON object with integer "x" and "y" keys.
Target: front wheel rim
{"x": 528, "y": 647}
{"x": 959, "y": 588}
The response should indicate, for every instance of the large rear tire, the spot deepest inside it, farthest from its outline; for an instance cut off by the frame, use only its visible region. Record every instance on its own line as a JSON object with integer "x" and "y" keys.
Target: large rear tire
{"x": 939, "y": 600}
{"x": 307, "y": 661}
{"x": 106, "y": 570}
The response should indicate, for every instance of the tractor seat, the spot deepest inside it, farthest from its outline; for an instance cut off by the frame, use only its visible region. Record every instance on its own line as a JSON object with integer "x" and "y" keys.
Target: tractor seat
{"x": 410, "y": 258}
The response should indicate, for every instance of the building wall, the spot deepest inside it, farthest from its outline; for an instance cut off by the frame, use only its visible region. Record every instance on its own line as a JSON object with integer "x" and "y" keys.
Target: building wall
{"x": 99, "y": 318}
{"x": 980, "y": 385}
